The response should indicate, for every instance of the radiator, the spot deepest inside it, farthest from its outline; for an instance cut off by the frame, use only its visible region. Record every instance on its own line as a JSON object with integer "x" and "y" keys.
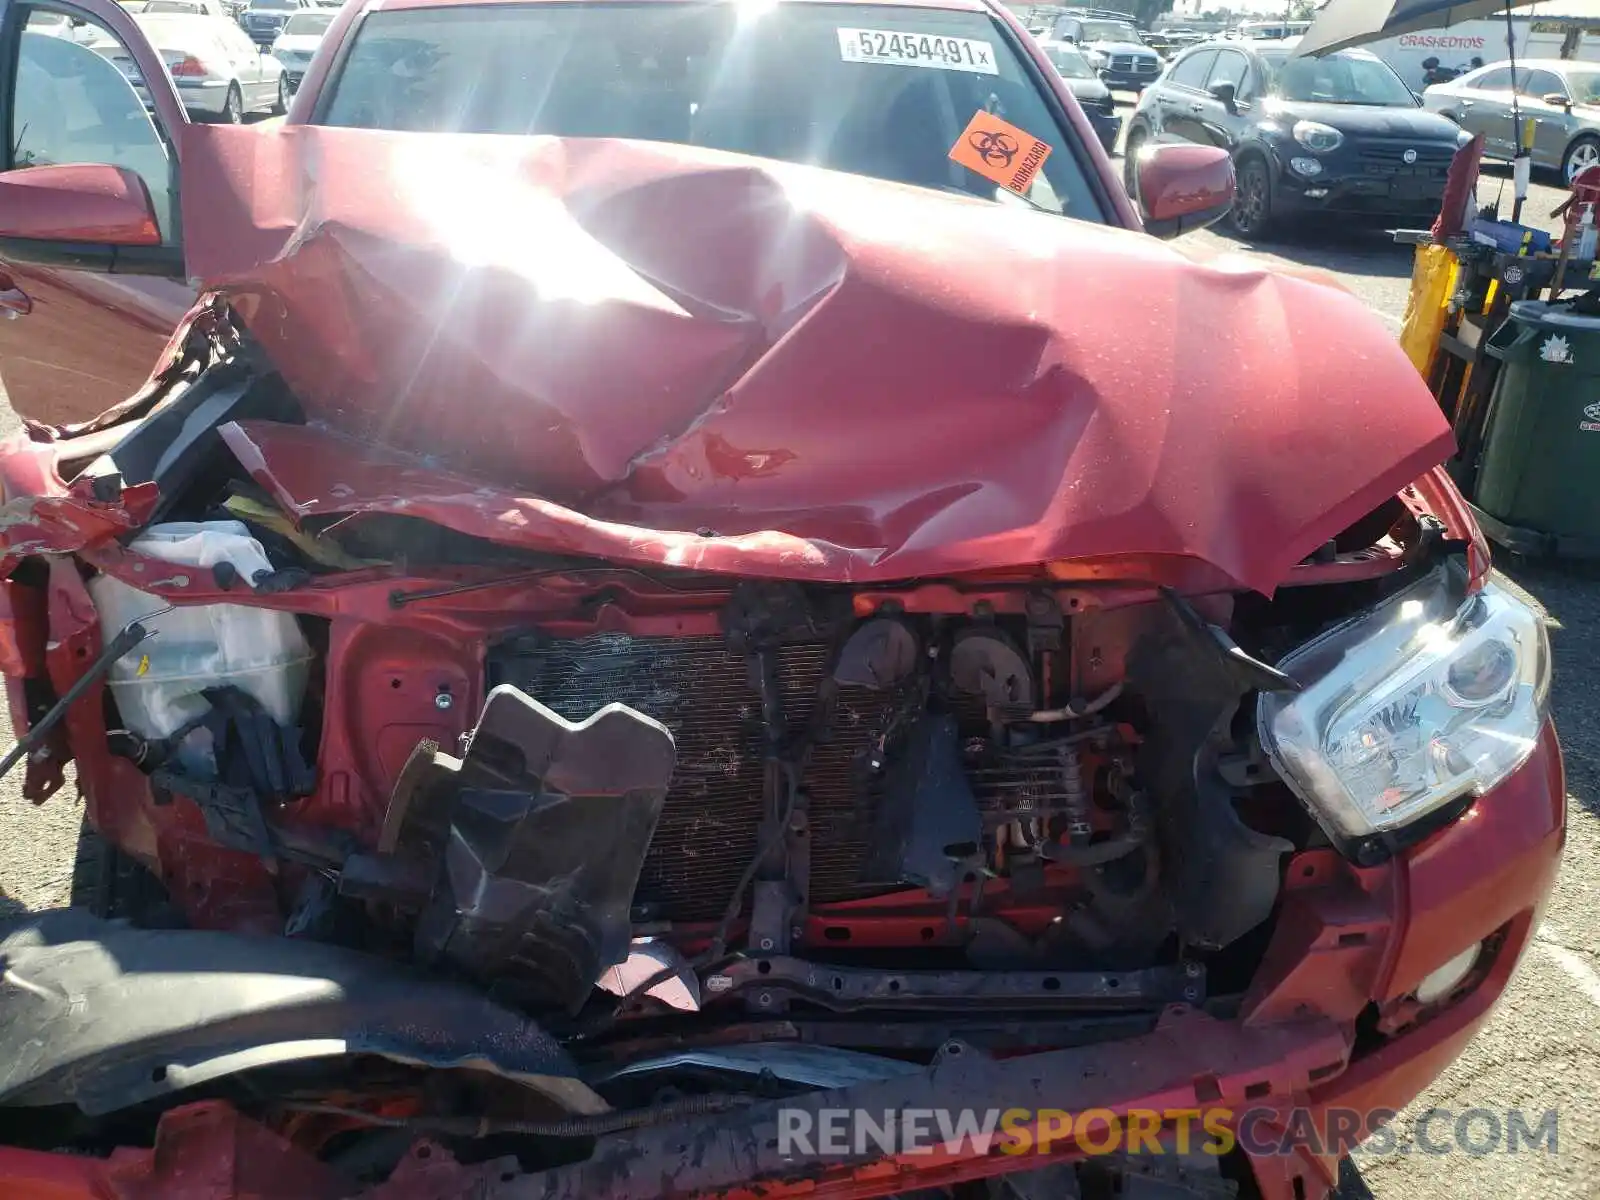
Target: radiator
{"x": 698, "y": 689}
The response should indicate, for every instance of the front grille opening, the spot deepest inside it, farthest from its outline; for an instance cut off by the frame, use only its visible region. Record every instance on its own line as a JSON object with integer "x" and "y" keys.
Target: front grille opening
{"x": 710, "y": 823}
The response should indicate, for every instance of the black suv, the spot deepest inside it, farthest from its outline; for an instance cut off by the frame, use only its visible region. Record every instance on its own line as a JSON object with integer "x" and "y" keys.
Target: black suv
{"x": 1337, "y": 134}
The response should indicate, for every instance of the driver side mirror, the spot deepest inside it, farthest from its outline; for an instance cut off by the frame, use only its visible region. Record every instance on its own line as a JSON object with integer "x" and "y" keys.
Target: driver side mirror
{"x": 1226, "y": 93}
{"x": 1182, "y": 186}
{"x": 1558, "y": 100}
{"x": 77, "y": 202}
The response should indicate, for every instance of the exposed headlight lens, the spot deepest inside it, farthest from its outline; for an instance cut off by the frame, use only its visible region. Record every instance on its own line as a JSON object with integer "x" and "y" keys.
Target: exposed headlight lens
{"x": 1410, "y": 705}
{"x": 1309, "y": 167}
{"x": 1480, "y": 674}
{"x": 1314, "y": 135}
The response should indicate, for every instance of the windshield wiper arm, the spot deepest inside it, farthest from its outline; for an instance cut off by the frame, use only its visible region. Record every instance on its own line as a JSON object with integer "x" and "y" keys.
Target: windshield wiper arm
{"x": 995, "y": 199}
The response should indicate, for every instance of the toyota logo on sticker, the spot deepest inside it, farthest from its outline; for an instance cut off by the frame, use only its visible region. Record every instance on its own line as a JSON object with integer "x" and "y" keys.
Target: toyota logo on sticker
{"x": 1409, "y": 157}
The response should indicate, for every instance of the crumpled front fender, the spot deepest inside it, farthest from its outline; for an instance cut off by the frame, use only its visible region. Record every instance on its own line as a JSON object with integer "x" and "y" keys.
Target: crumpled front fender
{"x": 39, "y": 514}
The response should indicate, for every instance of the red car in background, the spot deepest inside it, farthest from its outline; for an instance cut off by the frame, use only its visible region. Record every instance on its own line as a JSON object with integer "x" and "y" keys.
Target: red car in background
{"x": 692, "y": 579}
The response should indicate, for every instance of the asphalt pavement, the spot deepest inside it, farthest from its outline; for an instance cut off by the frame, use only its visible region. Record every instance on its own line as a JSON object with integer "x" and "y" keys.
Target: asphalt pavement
{"x": 1541, "y": 1049}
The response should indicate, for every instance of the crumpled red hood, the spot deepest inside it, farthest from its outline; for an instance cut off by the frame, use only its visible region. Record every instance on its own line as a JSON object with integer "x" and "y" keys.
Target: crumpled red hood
{"x": 658, "y": 354}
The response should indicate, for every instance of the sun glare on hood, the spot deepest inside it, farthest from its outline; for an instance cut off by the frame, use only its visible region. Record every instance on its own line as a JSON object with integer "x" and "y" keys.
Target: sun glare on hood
{"x": 488, "y": 216}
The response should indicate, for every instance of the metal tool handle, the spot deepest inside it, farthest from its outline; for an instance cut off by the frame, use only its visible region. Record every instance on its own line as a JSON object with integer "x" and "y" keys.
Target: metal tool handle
{"x": 129, "y": 636}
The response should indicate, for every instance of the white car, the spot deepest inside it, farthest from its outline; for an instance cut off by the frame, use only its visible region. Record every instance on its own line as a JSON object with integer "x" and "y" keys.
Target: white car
{"x": 204, "y": 8}
{"x": 264, "y": 19}
{"x": 197, "y": 8}
{"x": 59, "y": 25}
{"x": 297, "y": 44}
{"x": 220, "y": 72}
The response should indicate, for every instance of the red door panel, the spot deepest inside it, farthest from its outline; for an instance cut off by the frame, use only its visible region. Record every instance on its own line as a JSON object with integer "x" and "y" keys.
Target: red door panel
{"x": 81, "y": 342}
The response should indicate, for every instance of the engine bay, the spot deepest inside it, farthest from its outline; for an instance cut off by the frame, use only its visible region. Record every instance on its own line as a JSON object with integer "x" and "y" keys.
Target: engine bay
{"x": 819, "y": 767}
{"x": 679, "y": 794}
{"x": 806, "y": 782}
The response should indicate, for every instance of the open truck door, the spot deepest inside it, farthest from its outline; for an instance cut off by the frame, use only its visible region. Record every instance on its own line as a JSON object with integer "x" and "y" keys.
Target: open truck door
{"x": 91, "y": 258}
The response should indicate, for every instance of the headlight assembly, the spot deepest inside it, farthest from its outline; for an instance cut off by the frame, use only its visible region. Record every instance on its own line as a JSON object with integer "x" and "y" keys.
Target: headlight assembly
{"x": 1410, "y": 705}
{"x": 1314, "y": 135}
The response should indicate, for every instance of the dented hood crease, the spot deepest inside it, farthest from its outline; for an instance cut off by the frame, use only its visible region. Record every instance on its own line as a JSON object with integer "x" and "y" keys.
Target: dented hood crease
{"x": 660, "y": 354}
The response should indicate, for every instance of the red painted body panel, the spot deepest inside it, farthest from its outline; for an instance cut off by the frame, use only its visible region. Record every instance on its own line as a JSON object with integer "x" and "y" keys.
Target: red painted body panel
{"x": 1055, "y": 389}
{"x": 78, "y": 202}
{"x": 89, "y": 342}
{"x": 1476, "y": 874}
{"x": 1187, "y": 179}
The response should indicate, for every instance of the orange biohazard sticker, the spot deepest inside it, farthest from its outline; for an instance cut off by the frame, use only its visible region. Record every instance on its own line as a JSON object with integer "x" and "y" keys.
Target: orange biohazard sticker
{"x": 998, "y": 150}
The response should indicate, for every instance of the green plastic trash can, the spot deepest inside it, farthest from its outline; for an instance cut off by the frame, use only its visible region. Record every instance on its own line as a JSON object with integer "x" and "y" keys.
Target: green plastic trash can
{"x": 1536, "y": 487}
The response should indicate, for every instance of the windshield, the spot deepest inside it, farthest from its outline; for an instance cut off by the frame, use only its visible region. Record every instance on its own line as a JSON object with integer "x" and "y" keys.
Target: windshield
{"x": 881, "y": 91}
{"x": 1336, "y": 79}
{"x": 1585, "y": 86}
{"x": 1109, "y": 31}
{"x": 275, "y": 5}
{"x": 308, "y": 24}
{"x": 170, "y": 6}
{"x": 1068, "y": 62}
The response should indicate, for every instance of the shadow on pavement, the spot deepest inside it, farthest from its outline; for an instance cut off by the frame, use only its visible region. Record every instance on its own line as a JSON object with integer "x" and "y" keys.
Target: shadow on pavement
{"x": 1351, "y": 1185}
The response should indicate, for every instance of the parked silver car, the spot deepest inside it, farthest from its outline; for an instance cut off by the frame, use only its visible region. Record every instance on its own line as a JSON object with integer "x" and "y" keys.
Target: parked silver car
{"x": 297, "y": 44}
{"x": 1560, "y": 96}
{"x": 220, "y": 72}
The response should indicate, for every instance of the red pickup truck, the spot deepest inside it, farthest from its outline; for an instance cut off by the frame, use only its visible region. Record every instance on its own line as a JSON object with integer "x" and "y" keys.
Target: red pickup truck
{"x": 697, "y": 608}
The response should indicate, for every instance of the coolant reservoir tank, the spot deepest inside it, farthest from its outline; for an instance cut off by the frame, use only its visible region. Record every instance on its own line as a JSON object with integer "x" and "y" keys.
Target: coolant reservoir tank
{"x": 158, "y": 688}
